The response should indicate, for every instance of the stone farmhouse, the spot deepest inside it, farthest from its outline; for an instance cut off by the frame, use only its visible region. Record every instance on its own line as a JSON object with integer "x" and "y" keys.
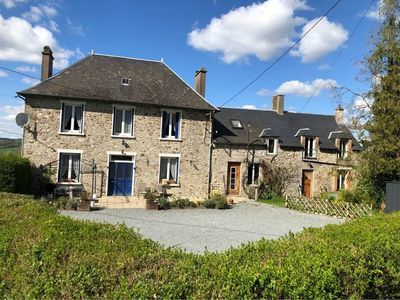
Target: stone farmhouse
{"x": 115, "y": 126}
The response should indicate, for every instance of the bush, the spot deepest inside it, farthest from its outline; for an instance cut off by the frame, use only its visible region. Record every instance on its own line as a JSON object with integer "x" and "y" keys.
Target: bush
{"x": 182, "y": 203}
{"x": 209, "y": 203}
{"x": 45, "y": 255}
{"x": 15, "y": 174}
{"x": 164, "y": 203}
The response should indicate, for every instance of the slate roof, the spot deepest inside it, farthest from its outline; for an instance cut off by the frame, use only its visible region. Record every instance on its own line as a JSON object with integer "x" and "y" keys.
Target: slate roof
{"x": 98, "y": 77}
{"x": 284, "y": 126}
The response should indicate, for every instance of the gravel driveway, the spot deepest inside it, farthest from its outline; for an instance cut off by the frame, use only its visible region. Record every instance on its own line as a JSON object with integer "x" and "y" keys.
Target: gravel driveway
{"x": 215, "y": 230}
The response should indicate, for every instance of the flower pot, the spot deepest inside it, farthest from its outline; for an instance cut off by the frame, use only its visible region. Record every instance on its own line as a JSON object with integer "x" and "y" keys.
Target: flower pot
{"x": 151, "y": 205}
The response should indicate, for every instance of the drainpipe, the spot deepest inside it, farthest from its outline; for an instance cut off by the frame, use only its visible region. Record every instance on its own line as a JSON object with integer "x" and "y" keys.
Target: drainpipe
{"x": 210, "y": 156}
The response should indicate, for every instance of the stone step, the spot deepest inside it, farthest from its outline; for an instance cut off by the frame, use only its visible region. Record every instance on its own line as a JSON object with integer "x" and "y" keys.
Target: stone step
{"x": 121, "y": 202}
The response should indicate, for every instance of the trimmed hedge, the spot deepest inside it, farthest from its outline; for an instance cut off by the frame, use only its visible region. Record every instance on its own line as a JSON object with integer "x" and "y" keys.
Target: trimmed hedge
{"x": 15, "y": 174}
{"x": 45, "y": 255}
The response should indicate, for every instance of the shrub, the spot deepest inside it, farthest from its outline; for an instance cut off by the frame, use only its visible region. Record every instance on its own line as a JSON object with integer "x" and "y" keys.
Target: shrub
{"x": 164, "y": 203}
{"x": 209, "y": 203}
{"x": 221, "y": 203}
{"x": 15, "y": 174}
{"x": 182, "y": 203}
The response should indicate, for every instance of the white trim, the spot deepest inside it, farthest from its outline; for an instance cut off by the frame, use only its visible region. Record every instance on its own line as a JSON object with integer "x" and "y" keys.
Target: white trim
{"x": 123, "y": 108}
{"x": 133, "y": 161}
{"x": 171, "y": 111}
{"x": 73, "y": 104}
{"x": 301, "y": 129}
{"x": 330, "y": 133}
{"x": 126, "y": 57}
{"x": 204, "y": 99}
{"x": 170, "y": 155}
{"x": 275, "y": 146}
{"x": 69, "y": 151}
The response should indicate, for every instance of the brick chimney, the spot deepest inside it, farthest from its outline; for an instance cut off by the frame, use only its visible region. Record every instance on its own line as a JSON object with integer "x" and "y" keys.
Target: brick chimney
{"x": 278, "y": 103}
{"x": 200, "y": 81}
{"x": 47, "y": 63}
{"x": 339, "y": 115}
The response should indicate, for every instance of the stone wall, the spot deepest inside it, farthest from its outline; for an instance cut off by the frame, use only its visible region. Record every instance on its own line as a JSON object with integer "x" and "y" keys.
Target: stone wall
{"x": 324, "y": 167}
{"x": 97, "y": 141}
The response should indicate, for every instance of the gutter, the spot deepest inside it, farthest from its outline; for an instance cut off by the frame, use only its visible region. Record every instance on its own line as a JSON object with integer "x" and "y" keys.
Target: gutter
{"x": 210, "y": 152}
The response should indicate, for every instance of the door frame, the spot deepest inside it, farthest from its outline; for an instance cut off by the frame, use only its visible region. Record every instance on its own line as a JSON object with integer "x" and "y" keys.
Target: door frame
{"x": 133, "y": 155}
{"x": 303, "y": 171}
{"x": 238, "y": 164}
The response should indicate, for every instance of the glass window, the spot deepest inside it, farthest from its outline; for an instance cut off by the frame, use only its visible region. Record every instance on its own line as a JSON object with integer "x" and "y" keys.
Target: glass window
{"x": 271, "y": 146}
{"x": 253, "y": 172}
{"x": 343, "y": 148}
{"x": 123, "y": 122}
{"x": 309, "y": 151}
{"x": 170, "y": 125}
{"x": 169, "y": 169}
{"x": 236, "y": 124}
{"x": 69, "y": 167}
{"x": 72, "y": 118}
{"x": 341, "y": 180}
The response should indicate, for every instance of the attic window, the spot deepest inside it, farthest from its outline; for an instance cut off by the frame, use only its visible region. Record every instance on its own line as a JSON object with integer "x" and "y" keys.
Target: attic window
{"x": 126, "y": 81}
{"x": 236, "y": 124}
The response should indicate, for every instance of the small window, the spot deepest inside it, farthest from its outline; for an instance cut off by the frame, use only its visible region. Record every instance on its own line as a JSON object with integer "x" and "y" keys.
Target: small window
{"x": 272, "y": 145}
{"x": 236, "y": 124}
{"x": 72, "y": 118}
{"x": 253, "y": 172}
{"x": 343, "y": 148}
{"x": 309, "y": 148}
{"x": 169, "y": 169}
{"x": 126, "y": 81}
{"x": 341, "y": 180}
{"x": 69, "y": 166}
{"x": 171, "y": 125}
{"x": 123, "y": 121}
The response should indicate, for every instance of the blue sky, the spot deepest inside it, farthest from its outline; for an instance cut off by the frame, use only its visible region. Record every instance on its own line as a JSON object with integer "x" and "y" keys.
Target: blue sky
{"x": 234, "y": 40}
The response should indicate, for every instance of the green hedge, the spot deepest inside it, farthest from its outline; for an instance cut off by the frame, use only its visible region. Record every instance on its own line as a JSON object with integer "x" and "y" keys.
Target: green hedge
{"x": 15, "y": 174}
{"x": 45, "y": 255}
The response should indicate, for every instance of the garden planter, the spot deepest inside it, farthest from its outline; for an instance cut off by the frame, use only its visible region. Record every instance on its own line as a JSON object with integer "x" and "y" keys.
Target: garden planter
{"x": 83, "y": 206}
{"x": 151, "y": 205}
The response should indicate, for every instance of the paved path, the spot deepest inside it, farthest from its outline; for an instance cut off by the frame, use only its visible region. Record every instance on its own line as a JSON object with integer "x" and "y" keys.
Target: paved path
{"x": 215, "y": 230}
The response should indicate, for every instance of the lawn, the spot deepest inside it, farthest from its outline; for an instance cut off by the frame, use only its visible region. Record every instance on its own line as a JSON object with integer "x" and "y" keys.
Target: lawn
{"x": 277, "y": 201}
{"x": 15, "y": 150}
{"x": 45, "y": 255}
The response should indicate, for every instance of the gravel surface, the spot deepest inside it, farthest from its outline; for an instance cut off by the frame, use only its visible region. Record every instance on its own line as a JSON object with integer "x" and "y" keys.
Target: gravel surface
{"x": 197, "y": 230}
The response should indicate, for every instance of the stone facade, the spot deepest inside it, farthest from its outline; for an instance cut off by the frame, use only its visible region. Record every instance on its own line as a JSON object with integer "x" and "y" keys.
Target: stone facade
{"x": 324, "y": 168}
{"x": 97, "y": 143}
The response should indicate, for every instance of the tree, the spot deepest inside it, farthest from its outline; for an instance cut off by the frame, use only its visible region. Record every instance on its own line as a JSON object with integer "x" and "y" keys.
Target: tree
{"x": 381, "y": 158}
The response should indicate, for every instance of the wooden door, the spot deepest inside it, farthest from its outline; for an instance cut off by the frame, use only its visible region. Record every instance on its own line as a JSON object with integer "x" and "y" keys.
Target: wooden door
{"x": 233, "y": 178}
{"x": 307, "y": 183}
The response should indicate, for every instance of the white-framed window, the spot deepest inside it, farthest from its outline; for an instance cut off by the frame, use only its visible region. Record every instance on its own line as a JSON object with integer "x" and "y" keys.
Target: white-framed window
{"x": 343, "y": 152}
{"x": 310, "y": 147}
{"x": 272, "y": 146}
{"x": 171, "y": 124}
{"x": 72, "y": 117}
{"x": 253, "y": 172}
{"x": 341, "y": 180}
{"x": 69, "y": 167}
{"x": 126, "y": 81}
{"x": 169, "y": 168}
{"x": 236, "y": 124}
{"x": 123, "y": 119}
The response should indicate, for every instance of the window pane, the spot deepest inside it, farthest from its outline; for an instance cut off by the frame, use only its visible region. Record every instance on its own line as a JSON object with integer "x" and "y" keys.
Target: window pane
{"x": 271, "y": 146}
{"x": 76, "y": 160}
{"x": 165, "y": 124}
{"x": 128, "y": 122}
{"x": 173, "y": 170}
{"x": 63, "y": 167}
{"x": 67, "y": 117}
{"x": 117, "y": 121}
{"x": 163, "y": 168}
{"x": 78, "y": 118}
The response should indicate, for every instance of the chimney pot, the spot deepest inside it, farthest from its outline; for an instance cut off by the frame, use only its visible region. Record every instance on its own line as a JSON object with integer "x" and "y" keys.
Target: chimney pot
{"x": 200, "y": 81}
{"x": 278, "y": 104}
{"x": 47, "y": 63}
{"x": 339, "y": 115}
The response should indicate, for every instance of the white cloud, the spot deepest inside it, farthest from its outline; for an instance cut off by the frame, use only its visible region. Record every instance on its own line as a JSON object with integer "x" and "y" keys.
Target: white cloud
{"x": 324, "y": 38}
{"x": 260, "y": 29}
{"x": 53, "y": 26}
{"x": 36, "y": 13}
{"x": 374, "y": 13}
{"x": 30, "y": 81}
{"x": 363, "y": 104}
{"x": 7, "y": 119}
{"x": 305, "y": 89}
{"x": 11, "y": 3}
{"x": 3, "y": 74}
{"x": 26, "y": 69}
{"x": 249, "y": 106}
{"x": 324, "y": 67}
{"x": 22, "y": 42}
{"x": 263, "y": 92}
{"x": 76, "y": 29}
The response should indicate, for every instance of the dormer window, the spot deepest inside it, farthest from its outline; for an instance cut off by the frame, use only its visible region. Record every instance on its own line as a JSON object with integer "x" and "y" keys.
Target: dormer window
{"x": 272, "y": 145}
{"x": 310, "y": 147}
{"x": 236, "y": 124}
{"x": 126, "y": 81}
{"x": 343, "y": 151}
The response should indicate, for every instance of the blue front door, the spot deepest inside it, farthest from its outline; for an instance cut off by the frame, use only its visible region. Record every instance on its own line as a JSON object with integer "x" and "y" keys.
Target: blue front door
{"x": 120, "y": 179}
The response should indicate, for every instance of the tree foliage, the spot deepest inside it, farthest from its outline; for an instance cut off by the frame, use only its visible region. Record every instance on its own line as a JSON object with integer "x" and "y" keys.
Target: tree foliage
{"x": 382, "y": 149}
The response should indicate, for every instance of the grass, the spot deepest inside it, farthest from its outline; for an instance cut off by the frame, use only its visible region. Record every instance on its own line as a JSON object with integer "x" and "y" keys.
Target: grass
{"x": 15, "y": 150}
{"x": 45, "y": 255}
{"x": 277, "y": 201}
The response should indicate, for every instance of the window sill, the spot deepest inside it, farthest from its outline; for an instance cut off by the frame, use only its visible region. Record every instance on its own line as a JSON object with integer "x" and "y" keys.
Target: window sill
{"x": 171, "y": 139}
{"x": 71, "y": 133}
{"x": 272, "y": 153}
{"x": 123, "y": 136}
{"x": 69, "y": 183}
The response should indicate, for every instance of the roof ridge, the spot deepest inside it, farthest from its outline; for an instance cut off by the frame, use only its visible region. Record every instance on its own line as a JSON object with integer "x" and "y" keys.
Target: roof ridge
{"x": 127, "y": 57}
{"x": 270, "y": 110}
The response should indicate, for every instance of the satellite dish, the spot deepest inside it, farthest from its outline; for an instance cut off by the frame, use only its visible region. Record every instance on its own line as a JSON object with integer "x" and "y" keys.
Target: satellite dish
{"x": 22, "y": 119}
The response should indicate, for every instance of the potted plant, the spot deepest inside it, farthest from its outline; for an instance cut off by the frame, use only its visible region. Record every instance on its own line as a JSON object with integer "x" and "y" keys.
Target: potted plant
{"x": 151, "y": 199}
